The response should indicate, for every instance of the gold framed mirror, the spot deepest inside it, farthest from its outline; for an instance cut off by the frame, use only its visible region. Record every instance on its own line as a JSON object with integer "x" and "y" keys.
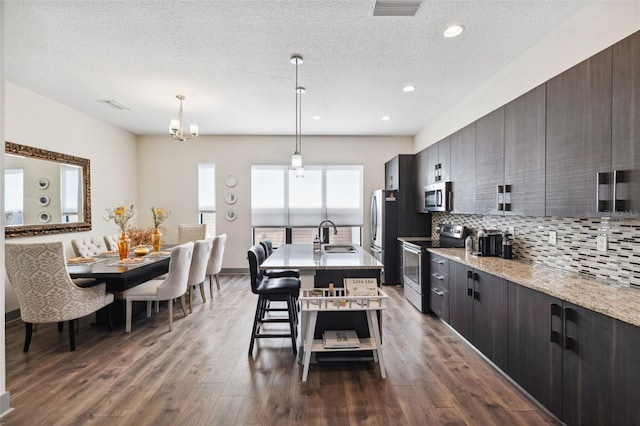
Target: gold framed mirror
{"x": 46, "y": 192}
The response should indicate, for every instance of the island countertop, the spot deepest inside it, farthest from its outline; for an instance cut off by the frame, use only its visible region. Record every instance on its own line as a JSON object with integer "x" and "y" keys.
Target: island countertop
{"x": 302, "y": 257}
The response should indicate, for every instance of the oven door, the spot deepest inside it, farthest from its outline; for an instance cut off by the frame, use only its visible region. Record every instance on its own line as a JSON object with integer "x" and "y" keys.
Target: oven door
{"x": 412, "y": 275}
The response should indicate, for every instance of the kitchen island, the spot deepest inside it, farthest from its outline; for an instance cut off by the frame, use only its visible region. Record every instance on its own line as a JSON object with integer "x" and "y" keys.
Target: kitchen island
{"x": 318, "y": 270}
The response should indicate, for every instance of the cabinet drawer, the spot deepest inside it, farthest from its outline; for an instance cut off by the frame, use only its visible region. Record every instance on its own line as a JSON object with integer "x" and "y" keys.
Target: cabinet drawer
{"x": 440, "y": 280}
{"x": 439, "y": 264}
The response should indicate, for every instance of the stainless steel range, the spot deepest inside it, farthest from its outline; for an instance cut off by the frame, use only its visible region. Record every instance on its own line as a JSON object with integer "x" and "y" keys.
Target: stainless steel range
{"x": 415, "y": 263}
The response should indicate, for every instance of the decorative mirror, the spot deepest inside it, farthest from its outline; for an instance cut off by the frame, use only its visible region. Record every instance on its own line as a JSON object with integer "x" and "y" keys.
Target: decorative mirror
{"x": 35, "y": 178}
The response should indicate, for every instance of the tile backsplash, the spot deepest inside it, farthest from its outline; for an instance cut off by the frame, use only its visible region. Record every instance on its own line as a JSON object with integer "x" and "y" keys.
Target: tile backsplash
{"x": 575, "y": 248}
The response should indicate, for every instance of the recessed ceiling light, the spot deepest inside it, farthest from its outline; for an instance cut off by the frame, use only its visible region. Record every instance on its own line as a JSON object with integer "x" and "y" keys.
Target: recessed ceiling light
{"x": 408, "y": 88}
{"x": 385, "y": 118}
{"x": 316, "y": 117}
{"x": 453, "y": 30}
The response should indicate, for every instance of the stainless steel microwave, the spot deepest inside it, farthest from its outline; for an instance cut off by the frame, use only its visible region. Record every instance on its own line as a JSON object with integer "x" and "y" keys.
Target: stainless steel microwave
{"x": 438, "y": 197}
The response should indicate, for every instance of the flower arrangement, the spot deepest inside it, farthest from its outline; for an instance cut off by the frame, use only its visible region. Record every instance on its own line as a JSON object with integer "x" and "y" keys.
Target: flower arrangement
{"x": 140, "y": 236}
{"x": 159, "y": 216}
{"x": 121, "y": 215}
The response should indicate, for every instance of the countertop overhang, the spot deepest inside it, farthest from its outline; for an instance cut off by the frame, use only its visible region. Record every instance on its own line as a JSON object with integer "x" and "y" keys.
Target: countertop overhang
{"x": 616, "y": 301}
{"x": 302, "y": 257}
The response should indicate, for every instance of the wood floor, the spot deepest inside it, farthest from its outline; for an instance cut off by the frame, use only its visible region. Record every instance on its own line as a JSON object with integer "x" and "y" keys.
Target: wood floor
{"x": 200, "y": 374}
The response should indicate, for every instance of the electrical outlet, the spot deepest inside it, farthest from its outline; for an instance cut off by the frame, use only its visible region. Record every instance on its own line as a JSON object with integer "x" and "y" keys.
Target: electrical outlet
{"x": 512, "y": 231}
{"x": 601, "y": 242}
{"x": 553, "y": 238}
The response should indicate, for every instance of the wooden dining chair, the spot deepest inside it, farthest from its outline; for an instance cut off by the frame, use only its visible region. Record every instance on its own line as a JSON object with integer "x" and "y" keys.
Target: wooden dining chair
{"x": 46, "y": 293}
{"x": 172, "y": 287}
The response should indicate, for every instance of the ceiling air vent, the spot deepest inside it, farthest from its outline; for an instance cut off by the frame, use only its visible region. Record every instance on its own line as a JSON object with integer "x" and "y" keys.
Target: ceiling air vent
{"x": 396, "y": 8}
{"x": 114, "y": 104}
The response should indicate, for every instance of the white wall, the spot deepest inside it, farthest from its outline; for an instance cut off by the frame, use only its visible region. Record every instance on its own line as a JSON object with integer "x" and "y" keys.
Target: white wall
{"x": 168, "y": 175}
{"x": 598, "y": 26}
{"x": 34, "y": 120}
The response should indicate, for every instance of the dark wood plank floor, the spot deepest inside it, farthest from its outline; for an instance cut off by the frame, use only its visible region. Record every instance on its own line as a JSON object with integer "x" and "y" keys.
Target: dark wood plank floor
{"x": 200, "y": 374}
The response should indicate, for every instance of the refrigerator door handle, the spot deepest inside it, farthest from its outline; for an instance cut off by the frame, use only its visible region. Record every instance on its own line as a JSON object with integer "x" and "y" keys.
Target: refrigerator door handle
{"x": 374, "y": 218}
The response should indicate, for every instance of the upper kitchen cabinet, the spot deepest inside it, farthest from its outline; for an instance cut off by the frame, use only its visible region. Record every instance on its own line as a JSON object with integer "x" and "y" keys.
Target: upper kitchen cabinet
{"x": 578, "y": 150}
{"x": 489, "y": 188}
{"x": 463, "y": 169}
{"x": 400, "y": 175}
{"x": 524, "y": 154}
{"x": 421, "y": 178}
{"x": 625, "y": 116}
{"x": 438, "y": 165}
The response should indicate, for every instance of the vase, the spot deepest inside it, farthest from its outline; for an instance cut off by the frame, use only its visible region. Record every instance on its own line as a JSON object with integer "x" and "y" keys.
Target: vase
{"x": 156, "y": 239}
{"x": 124, "y": 245}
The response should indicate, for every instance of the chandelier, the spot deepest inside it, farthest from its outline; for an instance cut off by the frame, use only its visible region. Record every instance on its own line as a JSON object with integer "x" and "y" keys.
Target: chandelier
{"x": 296, "y": 157}
{"x": 175, "y": 129}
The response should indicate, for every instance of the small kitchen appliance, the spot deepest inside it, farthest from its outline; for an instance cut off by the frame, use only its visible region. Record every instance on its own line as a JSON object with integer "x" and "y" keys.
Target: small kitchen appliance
{"x": 490, "y": 243}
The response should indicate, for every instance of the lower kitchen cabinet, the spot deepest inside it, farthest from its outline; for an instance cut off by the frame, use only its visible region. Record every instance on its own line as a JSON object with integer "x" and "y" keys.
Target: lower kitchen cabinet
{"x": 478, "y": 310}
{"x": 583, "y": 366}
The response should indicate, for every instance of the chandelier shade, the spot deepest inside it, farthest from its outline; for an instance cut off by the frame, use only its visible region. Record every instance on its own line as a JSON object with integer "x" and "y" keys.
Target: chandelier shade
{"x": 176, "y": 125}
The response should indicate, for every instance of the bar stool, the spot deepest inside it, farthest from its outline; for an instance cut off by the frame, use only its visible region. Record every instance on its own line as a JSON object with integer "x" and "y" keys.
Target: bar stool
{"x": 267, "y": 249}
{"x": 282, "y": 289}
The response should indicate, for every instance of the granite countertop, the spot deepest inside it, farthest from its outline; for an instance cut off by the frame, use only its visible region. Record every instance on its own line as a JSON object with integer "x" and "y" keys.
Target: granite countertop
{"x": 409, "y": 239}
{"x": 302, "y": 257}
{"x": 622, "y": 303}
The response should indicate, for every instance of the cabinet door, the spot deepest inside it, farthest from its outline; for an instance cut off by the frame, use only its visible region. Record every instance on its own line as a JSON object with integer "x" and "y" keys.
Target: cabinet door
{"x": 392, "y": 173}
{"x": 578, "y": 137}
{"x": 534, "y": 354}
{"x": 626, "y": 409}
{"x": 463, "y": 169}
{"x": 432, "y": 164}
{"x": 444, "y": 159}
{"x": 524, "y": 153}
{"x": 421, "y": 171}
{"x": 461, "y": 299}
{"x": 489, "y": 161}
{"x": 588, "y": 363}
{"x": 626, "y": 125}
{"x": 490, "y": 317}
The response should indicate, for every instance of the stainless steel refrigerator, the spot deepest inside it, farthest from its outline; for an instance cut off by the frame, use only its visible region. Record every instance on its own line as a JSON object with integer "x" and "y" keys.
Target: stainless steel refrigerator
{"x": 384, "y": 233}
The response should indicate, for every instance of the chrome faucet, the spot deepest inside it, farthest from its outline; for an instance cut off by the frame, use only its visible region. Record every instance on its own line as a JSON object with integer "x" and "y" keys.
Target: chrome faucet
{"x": 335, "y": 230}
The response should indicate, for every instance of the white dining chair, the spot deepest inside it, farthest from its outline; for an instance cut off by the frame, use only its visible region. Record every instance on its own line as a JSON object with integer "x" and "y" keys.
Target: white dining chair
{"x": 172, "y": 287}
{"x": 215, "y": 260}
{"x": 198, "y": 269}
{"x": 193, "y": 232}
{"x": 88, "y": 247}
{"x": 111, "y": 241}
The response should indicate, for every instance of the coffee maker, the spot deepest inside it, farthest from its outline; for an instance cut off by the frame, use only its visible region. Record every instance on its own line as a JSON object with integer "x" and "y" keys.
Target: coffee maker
{"x": 490, "y": 243}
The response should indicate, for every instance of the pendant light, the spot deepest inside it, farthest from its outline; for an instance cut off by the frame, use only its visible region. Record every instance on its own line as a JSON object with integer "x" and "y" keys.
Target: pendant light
{"x": 296, "y": 157}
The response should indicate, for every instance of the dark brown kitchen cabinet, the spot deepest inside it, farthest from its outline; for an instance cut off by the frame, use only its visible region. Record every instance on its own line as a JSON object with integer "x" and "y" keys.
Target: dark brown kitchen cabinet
{"x": 463, "y": 169}
{"x": 524, "y": 154}
{"x": 489, "y": 162}
{"x": 478, "y": 310}
{"x": 438, "y": 161}
{"x": 578, "y": 120}
{"x": 583, "y": 366}
{"x": 421, "y": 178}
{"x": 400, "y": 175}
{"x": 625, "y": 128}
{"x": 439, "y": 285}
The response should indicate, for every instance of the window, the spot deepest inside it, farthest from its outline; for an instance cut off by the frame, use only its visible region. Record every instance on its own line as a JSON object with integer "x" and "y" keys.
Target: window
{"x": 70, "y": 193}
{"x": 207, "y": 197}
{"x": 286, "y": 208}
{"x": 13, "y": 196}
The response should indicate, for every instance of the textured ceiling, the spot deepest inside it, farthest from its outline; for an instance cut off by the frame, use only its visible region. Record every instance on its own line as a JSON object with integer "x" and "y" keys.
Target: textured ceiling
{"x": 231, "y": 59}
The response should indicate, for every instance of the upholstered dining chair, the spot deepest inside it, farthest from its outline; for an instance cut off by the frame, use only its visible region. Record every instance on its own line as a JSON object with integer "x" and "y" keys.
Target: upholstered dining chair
{"x": 215, "y": 260}
{"x": 45, "y": 291}
{"x": 198, "y": 269}
{"x": 111, "y": 241}
{"x": 172, "y": 287}
{"x": 191, "y": 233}
{"x": 88, "y": 247}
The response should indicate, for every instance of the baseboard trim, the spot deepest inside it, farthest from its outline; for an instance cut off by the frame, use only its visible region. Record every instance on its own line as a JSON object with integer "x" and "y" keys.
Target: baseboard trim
{"x": 5, "y": 404}
{"x": 11, "y": 316}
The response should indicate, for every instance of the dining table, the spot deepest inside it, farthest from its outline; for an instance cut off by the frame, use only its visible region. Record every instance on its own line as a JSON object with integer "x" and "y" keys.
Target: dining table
{"x": 120, "y": 276}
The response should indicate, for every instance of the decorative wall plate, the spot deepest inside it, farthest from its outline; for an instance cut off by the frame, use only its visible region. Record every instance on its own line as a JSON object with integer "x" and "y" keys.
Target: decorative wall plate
{"x": 230, "y": 215}
{"x": 44, "y": 217}
{"x": 44, "y": 200}
{"x": 43, "y": 183}
{"x": 231, "y": 198}
{"x": 231, "y": 181}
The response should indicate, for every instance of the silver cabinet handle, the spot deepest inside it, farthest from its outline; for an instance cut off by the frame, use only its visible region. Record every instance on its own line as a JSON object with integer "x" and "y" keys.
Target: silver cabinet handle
{"x": 602, "y": 178}
{"x": 438, "y": 291}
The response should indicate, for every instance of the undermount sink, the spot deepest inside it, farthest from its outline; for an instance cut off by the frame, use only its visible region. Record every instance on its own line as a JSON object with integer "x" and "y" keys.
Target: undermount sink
{"x": 340, "y": 248}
